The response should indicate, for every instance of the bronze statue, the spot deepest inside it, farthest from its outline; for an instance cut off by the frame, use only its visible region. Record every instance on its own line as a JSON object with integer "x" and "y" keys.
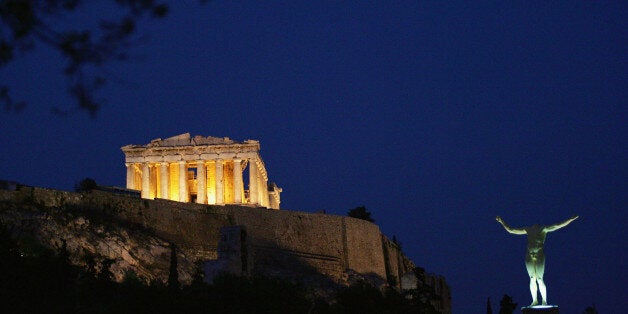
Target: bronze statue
{"x": 535, "y": 258}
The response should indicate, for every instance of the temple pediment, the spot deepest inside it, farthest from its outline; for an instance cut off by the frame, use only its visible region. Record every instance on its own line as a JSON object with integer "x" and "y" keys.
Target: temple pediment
{"x": 186, "y": 140}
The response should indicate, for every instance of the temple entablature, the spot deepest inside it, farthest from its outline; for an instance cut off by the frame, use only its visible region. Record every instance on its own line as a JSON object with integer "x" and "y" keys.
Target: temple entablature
{"x": 205, "y": 170}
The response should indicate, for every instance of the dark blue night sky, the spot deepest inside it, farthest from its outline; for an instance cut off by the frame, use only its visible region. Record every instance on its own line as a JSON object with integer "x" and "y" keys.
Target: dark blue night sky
{"x": 435, "y": 116}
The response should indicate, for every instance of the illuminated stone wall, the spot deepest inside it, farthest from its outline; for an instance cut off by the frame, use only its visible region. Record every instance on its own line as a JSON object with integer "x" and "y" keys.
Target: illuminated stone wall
{"x": 204, "y": 170}
{"x": 287, "y": 243}
{"x": 319, "y": 250}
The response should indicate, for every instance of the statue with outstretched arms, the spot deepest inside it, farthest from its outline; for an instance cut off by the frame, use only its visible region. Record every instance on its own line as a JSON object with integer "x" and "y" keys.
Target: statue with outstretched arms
{"x": 535, "y": 258}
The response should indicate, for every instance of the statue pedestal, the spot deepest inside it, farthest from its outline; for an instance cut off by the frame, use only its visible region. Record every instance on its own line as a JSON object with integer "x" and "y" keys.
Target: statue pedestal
{"x": 540, "y": 309}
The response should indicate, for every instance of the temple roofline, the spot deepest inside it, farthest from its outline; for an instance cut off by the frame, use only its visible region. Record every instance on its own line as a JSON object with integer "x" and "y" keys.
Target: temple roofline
{"x": 185, "y": 140}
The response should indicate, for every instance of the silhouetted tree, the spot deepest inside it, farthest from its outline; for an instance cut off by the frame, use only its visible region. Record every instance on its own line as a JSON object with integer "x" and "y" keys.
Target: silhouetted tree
{"x": 489, "y": 309}
{"x": 590, "y": 310}
{"x": 24, "y": 24}
{"x": 256, "y": 294}
{"x": 360, "y": 297}
{"x": 35, "y": 280}
{"x": 506, "y": 305}
{"x": 173, "y": 276}
{"x": 423, "y": 294}
{"x": 85, "y": 185}
{"x": 361, "y": 213}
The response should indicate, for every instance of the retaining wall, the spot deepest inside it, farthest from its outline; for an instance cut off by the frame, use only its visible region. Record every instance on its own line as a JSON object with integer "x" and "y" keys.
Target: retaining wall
{"x": 281, "y": 242}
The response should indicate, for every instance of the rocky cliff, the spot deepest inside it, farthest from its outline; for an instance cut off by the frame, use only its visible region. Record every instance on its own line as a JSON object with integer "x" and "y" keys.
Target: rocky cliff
{"x": 138, "y": 235}
{"x": 90, "y": 238}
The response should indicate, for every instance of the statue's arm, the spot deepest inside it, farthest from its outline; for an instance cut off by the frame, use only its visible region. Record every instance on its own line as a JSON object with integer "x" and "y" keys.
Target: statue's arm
{"x": 560, "y": 225}
{"x": 508, "y": 228}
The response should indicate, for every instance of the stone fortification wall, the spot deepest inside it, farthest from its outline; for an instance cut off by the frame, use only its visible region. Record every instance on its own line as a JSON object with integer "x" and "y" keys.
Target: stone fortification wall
{"x": 397, "y": 264}
{"x": 294, "y": 241}
{"x": 287, "y": 243}
{"x": 364, "y": 248}
{"x": 44, "y": 197}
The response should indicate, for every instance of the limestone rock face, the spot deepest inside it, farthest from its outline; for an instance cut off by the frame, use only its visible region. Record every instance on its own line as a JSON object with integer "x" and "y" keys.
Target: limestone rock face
{"x": 131, "y": 249}
{"x": 321, "y": 251}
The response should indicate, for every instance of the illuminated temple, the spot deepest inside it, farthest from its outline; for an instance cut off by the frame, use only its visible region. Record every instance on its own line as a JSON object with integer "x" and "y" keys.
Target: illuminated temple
{"x": 204, "y": 170}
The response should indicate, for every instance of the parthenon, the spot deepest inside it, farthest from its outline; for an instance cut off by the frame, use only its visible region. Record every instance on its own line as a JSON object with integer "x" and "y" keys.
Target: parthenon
{"x": 204, "y": 170}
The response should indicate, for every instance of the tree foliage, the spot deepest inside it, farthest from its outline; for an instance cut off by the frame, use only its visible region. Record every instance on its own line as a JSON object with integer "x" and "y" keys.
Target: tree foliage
{"x": 360, "y": 213}
{"x": 26, "y": 25}
{"x": 363, "y": 298}
{"x": 85, "y": 185}
{"x": 173, "y": 275}
{"x": 360, "y": 298}
{"x": 506, "y": 305}
{"x": 423, "y": 293}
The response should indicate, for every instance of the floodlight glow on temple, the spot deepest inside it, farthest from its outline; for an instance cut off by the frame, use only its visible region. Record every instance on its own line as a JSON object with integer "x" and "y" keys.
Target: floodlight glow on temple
{"x": 204, "y": 170}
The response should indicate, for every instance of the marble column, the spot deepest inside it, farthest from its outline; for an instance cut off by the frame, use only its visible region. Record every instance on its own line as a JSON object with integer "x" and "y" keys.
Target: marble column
{"x": 201, "y": 179}
{"x": 130, "y": 176}
{"x": 145, "y": 180}
{"x": 237, "y": 181}
{"x": 263, "y": 191}
{"x": 153, "y": 173}
{"x": 164, "y": 180}
{"x": 253, "y": 182}
{"x": 219, "y": 183}
{"x": 183, "y": 182}
{"x": 210, "y": 184}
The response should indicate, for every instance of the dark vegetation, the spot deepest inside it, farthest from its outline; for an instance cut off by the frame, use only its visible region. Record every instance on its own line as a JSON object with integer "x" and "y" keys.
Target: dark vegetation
{"x": 360, "y": 212}
{"x": 507, "y": 305}
{"x": 26, "y": 25}
{"x": 85, "y": 185}
{"x": 34, "y": 279}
